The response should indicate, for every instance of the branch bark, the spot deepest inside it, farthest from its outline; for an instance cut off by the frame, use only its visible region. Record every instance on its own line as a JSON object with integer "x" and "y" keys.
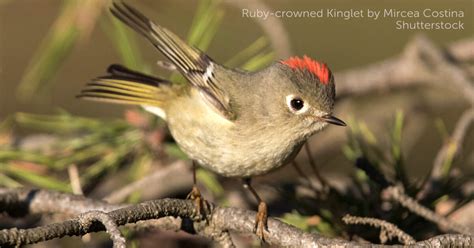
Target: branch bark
{"x": 20, "y": 202}
{"x": 88, "y": 218}
{"x": 387, "y": 229}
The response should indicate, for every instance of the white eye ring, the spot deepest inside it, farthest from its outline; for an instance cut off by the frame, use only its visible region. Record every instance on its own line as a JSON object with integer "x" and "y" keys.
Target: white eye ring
{"x": 296, "y": 104}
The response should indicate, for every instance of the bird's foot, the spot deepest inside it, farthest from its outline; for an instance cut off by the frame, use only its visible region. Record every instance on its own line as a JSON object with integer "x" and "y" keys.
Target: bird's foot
{"x": 261, "y": 218}
{"x": 202, "y": 206}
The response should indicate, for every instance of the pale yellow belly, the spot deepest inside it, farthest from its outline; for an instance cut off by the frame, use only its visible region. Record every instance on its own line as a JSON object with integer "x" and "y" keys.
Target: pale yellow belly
{"x": 218, "y": 145}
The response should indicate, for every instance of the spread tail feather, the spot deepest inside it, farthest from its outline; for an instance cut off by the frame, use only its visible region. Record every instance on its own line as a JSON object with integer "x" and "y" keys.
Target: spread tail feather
{"x": 125, "y": 86}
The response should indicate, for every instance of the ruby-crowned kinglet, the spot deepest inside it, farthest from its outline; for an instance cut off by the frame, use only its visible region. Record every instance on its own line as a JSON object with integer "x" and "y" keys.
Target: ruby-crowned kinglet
{"x": 235, "y": 123}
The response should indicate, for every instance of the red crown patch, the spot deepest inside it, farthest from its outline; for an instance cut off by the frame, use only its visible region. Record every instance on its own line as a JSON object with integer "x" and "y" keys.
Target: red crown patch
{"x": 320, "y": 70}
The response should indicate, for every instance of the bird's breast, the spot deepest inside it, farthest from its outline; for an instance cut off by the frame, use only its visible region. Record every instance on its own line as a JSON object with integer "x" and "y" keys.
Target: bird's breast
{"x": 231, "y": 149}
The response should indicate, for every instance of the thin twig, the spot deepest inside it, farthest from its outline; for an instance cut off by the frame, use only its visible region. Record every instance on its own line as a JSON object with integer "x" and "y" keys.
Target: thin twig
{"x": 75, "y": 180}
{"x": 305, "y": 176}
{"x": 449, "y": 149}
{"x": 314, "y": 167}
{"x": 397, "y": 193}
{"x": 387, "y": 229}
{"x": 87, "y": 219}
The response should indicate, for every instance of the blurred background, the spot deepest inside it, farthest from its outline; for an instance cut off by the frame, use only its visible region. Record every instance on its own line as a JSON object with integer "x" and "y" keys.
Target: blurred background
{"x": 50, "y": 49}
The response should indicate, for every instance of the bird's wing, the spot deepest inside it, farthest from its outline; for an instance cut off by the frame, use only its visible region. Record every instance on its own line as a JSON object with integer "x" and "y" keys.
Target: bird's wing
{"x": 195, "y": 66}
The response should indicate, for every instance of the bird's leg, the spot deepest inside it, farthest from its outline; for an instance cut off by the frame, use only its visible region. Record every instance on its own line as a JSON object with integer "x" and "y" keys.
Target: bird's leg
{"x": 201, "y": 205}
{"x": 262, "y": 214}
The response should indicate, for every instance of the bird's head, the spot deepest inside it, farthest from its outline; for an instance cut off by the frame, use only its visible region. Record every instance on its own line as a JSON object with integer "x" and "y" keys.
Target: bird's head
{"x": 302, "y": 95}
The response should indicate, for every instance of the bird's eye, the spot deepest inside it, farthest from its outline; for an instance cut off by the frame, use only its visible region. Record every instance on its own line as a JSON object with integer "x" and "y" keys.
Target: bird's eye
{"x": 296, "y": 104}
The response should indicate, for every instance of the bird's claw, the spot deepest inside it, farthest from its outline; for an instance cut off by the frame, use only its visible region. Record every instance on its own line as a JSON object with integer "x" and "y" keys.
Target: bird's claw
{"x": 200, "y": 204}
{"x": 261, "y": 224}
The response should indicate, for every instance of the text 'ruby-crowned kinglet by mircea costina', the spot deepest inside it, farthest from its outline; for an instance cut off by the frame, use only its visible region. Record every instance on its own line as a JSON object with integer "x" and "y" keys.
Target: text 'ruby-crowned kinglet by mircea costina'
{"x": 235, "y": 123}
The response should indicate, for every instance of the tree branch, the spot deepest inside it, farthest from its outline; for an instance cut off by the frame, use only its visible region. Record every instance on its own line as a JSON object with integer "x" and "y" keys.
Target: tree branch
{"x": 421, "y": 62}
{"x": 20, "y": 202}
{"x": 88, "y": 218}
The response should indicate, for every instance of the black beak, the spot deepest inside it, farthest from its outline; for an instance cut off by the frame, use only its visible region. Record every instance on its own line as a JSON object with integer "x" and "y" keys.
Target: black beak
{"x": 333, "y": 120}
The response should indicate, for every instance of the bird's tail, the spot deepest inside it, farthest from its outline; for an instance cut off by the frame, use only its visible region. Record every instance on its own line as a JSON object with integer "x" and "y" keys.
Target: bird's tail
{"x": 125, "y": 86}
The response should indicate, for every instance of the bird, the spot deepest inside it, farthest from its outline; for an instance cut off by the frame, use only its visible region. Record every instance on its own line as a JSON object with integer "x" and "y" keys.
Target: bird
{"x": 236, "y": 123}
